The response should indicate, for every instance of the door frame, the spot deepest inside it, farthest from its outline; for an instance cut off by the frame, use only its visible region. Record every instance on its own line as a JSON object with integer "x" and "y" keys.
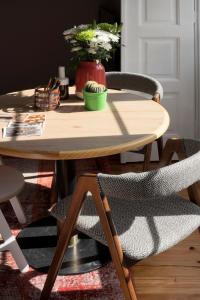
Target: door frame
{"x": 197, "y": 66}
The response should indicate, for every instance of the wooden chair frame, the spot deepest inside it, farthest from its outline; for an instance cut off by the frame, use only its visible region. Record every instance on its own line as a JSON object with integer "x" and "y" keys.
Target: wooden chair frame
{"x": 88, "y": 182}
{"x": 148, "y": 148}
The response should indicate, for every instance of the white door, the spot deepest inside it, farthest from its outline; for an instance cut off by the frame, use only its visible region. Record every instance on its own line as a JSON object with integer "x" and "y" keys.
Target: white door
{"x": 158, "y": 40}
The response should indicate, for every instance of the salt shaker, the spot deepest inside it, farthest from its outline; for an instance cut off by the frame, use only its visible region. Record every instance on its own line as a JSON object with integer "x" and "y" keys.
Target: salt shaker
{"x": 64, "y": 83}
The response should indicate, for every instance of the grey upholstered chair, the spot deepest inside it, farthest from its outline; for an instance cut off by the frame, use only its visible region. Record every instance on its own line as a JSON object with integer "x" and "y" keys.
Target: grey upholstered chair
{"x": 136, "y": 214}
{"x": 140, "y": 83}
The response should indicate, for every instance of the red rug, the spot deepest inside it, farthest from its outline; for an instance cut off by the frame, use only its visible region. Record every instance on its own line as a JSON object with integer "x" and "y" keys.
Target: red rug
{"x": 35, "y": 198}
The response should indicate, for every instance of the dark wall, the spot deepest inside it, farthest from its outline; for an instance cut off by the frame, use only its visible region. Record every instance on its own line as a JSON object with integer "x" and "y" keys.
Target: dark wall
{"x": 31, "y": 42}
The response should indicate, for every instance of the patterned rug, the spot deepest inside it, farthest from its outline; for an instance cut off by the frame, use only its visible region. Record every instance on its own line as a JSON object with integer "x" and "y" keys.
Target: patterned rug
{"x": 35, "y": 198}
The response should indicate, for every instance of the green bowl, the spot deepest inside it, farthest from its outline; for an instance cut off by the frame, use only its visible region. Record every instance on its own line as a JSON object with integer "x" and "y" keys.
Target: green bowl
{"x": 95, "y": 101}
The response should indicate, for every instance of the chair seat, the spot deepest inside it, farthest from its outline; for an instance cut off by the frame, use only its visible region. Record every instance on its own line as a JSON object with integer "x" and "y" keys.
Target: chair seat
{"x": 145, "y": 227}
{"x": 11, "y": 183}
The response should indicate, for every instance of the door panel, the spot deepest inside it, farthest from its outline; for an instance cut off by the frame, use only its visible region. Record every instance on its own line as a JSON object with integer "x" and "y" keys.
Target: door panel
{"x": 158, "y": 40}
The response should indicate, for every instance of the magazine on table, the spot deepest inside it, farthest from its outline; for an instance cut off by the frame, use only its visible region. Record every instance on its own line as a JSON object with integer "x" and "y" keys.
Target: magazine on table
{"x": 25, "y": 125}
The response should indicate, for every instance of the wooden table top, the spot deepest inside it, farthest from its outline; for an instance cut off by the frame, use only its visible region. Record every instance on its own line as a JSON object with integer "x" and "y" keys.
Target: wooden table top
{"x": 71, "y": 132}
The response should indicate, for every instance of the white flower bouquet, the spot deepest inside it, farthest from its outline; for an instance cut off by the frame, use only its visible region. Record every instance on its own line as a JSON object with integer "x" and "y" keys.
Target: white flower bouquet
{"x": 93, "y": 41}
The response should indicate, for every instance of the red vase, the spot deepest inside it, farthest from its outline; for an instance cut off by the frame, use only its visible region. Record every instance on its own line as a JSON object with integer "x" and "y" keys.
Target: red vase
{"x": 89, "y": 70}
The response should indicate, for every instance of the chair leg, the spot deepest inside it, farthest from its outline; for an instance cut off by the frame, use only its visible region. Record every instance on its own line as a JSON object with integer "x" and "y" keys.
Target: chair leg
{"x": 18, "y": 257}
{"x": 103, "y": 164}
{"x": 11, "y": 244}
{"x": 16, "y": 205}
{"x": 147, "y": 157}
{"x": 122, "y": 158}
{"x": 160, "y": 146}
{"x": 124, "y": 274}
{"x": 59, "y": 227}
{"x": 54, "y": 193}
{"x": 194, "y": 194}
{"x": 64, "y": 239}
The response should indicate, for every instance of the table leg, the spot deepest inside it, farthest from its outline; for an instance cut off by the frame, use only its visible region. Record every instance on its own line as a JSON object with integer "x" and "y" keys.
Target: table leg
{"x": 65, "y": 177}
{"x": 39, "y": 239}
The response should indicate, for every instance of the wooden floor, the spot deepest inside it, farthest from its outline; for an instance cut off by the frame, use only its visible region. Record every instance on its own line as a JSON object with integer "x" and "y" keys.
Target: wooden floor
{"x": 172, "y": 275}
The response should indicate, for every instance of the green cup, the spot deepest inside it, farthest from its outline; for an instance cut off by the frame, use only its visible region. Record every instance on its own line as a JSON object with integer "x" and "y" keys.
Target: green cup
{"x": 95, "y": 101}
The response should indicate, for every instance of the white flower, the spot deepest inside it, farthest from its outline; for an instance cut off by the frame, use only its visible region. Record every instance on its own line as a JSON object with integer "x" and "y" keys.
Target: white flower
{"x": 102, "y": 36}
{"x": 76, "y": 49}
{"x": 70, "y": 31}
{"x": 93, "y": 44}
{"x": 102, "y": 39}
{"x": 67, "y": 37}
{"x": 98, "y": 44}
{"x": 83, "y": 26}
{"x": 114, "y": 38}
{"x": 74, "y": 29}
{"x": 94, "y": 40}
{"x": 106, "y": 46}
{"x": 106, "y": 36}
{"x": 91, "y": 51}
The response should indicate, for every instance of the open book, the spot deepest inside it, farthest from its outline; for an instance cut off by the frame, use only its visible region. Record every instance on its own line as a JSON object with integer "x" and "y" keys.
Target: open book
{"x": 30, "y": 124}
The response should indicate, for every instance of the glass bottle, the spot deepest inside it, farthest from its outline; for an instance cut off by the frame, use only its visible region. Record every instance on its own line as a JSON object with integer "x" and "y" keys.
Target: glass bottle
{"x": 64, "y": 83}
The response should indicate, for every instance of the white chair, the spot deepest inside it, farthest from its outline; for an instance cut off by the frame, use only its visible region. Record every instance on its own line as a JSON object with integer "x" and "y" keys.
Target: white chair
{"x": 11, "y": 183}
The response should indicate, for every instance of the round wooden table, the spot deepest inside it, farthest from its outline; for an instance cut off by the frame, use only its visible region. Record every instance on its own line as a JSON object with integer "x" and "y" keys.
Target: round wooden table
{"x": 72, "y": 133}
